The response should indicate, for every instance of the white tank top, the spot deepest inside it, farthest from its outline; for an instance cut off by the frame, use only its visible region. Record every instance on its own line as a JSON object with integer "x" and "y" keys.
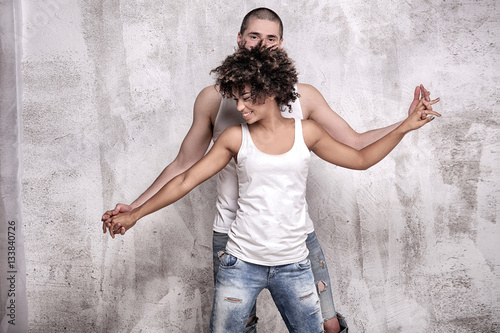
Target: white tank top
{"x": 227, "y": 181}
{"x": 270, "y": 225}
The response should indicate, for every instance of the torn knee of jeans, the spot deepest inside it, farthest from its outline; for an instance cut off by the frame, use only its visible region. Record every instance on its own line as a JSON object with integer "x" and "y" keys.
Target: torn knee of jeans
{"x": 321, "y": 262}
{"x": 234, "y": 300}
{"x": 321, "y": 286}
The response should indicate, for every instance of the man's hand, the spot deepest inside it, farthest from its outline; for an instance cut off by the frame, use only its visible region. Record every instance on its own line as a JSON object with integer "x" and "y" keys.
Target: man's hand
{"x": 106, "y": 219}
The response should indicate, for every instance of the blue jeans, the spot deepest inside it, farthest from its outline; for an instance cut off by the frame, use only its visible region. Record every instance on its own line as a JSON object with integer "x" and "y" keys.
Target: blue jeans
{"x": 321, "y": 276}
{"x": 219, "y": 242}
{"x": 318, "y": 265}
{"x": 291, "y": 286}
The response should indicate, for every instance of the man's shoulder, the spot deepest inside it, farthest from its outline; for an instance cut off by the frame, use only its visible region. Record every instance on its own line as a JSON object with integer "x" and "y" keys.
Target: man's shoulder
{"x": 306, "y": 90}
{"x": 210, "y": 93}
{"x": 310, "y": 99}
{"x": 207, "y": 102}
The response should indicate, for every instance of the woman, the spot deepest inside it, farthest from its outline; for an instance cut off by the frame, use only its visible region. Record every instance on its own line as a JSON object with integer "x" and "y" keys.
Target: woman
{"x": 266, "y": 247}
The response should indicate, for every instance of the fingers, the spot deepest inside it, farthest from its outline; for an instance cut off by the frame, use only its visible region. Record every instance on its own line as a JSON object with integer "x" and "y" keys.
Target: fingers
{"x": 117, "y": 209}
{"x": 425, "y": 94}
{"x": 427, "y": 104}
{"x": 108, "y": 214}
{"x": 106, "y": 223}
{"x": 434, "y": 101}
{"x": 416, "y": 93}
{"x": 117, "y": 229}
{"x": 112, "y": 226}
{"x": 432, "y": 114}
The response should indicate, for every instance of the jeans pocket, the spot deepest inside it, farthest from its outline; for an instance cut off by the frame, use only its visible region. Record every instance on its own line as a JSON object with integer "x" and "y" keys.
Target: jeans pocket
{"x": 304, "y": 264}
{"x": 228, "y": 261}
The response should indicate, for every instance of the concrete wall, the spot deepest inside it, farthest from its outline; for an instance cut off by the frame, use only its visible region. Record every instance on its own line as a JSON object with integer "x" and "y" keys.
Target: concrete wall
{"x": 412, "y": 244}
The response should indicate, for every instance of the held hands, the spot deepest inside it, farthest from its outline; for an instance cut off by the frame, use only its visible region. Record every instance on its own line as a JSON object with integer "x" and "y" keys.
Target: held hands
{"x": 422, "y": 113}
{"x": 421, "y": 94}
{"x": 107, "y": 219}
{"x": 121, "y": 222}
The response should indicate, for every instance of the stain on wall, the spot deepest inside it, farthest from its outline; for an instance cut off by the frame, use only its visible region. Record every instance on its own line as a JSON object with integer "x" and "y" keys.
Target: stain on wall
{"x": 411, "y": 243}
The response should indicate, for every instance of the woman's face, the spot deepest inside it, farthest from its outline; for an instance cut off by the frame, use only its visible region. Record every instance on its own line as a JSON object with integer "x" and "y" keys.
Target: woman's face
{"x": 250, "y": 111}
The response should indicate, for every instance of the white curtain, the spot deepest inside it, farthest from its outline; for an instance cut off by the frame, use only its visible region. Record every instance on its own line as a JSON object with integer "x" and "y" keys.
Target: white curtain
{"x": 14, "y": 309}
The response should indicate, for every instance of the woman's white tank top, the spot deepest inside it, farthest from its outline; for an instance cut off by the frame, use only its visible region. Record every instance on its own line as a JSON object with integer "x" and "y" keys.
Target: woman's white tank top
{"x": 227, "y": 180}
{"x": 270, "y": 227}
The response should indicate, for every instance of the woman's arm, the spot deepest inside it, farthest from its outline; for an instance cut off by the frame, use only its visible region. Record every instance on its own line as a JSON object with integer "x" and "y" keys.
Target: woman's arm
{"x": 315, "y": 107}
{"x": 225, "y": 148}
{"x": 323, "y": 145}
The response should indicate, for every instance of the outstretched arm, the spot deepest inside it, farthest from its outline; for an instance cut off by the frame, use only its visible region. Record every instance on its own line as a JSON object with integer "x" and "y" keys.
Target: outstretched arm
{"x": 192, "y": 149}
{"x": 323, "y": 145}
{"x": 315, "y": 107}
{"x": 216, "y": 159}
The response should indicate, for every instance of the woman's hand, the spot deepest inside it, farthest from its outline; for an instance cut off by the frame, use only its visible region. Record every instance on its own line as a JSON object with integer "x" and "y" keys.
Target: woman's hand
{"x": 121, "y": 222}
{"x": 422, "y": 114}
{"x": 106, "y": 217}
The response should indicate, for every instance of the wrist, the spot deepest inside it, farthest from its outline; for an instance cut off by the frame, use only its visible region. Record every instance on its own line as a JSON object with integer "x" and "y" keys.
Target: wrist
{"x": 137, "y": 213}
{"x": 403, "y": 129}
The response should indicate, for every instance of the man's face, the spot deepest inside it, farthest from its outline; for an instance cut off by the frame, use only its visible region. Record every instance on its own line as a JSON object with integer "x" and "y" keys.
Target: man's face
{"x": 260, "y": 30}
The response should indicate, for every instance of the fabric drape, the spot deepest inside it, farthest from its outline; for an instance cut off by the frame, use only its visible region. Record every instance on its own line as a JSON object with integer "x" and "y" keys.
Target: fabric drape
{"x": 14, "y": 310}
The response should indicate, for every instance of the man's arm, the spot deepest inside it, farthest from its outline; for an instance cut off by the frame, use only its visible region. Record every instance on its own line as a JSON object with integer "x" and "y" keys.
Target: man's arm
{"x": 192, "y": 149}
{"x": 315, "y": 107}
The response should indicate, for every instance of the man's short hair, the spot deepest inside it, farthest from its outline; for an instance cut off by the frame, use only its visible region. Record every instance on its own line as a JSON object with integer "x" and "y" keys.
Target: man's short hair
{"x": 261, "y": 13}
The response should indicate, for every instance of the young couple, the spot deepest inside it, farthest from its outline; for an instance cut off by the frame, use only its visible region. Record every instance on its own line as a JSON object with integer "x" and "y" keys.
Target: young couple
{"x": 262, "y": 225}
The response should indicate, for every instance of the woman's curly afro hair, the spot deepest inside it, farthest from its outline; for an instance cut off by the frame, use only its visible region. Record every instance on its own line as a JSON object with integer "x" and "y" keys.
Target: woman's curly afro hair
{"x": 268, "y": 71}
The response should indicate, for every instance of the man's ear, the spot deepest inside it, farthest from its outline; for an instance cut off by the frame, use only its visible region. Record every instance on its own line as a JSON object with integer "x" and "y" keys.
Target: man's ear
{"x": 239, "y": 38}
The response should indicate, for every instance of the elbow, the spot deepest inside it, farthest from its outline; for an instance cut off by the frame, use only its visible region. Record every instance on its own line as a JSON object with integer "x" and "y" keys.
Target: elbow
{"x": 362, "y": 167}
{"x": 357, "y": 142}
{"x": 363, "y": 164}
{"x": 184, "y": 183}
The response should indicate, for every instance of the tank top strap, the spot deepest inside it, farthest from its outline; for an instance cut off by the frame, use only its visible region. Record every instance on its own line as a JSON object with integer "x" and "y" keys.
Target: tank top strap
{"x": 245, "y": 137}
{"x": 299, "y": 135}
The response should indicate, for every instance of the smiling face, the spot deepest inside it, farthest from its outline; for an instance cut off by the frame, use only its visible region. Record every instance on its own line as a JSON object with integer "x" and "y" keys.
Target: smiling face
{"x": 250, "y": 110}
{"x": 260, "y": 30}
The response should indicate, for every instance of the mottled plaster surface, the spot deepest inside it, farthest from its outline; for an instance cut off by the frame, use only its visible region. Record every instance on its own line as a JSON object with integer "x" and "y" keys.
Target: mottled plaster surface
{"x": 411, "y": 244}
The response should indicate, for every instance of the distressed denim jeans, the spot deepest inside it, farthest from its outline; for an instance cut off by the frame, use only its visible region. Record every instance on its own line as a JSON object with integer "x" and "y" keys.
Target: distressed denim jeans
{"x": 291, "y": 286}
{"x": 318, "y": 265}
{"x": 219, "y": 242}
{"x": 321, "y": 276}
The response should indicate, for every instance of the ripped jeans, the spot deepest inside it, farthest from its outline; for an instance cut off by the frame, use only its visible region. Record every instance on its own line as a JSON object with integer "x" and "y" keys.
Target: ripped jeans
{"x": 291, "y": 286}
{"x": 318, "y": 265}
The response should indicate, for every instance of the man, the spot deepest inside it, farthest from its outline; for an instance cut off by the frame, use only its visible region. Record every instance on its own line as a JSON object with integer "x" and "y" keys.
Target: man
{"x": 212, "y": 115}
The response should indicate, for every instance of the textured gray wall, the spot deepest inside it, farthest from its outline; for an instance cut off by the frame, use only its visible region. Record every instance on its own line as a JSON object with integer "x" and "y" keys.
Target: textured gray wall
{"x": 412, "y": 244}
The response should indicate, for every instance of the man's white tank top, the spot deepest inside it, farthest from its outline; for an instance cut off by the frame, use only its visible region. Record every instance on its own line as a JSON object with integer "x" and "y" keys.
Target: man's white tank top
{"x": 270, "y": 226}
{"x": 227, "y": 180}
